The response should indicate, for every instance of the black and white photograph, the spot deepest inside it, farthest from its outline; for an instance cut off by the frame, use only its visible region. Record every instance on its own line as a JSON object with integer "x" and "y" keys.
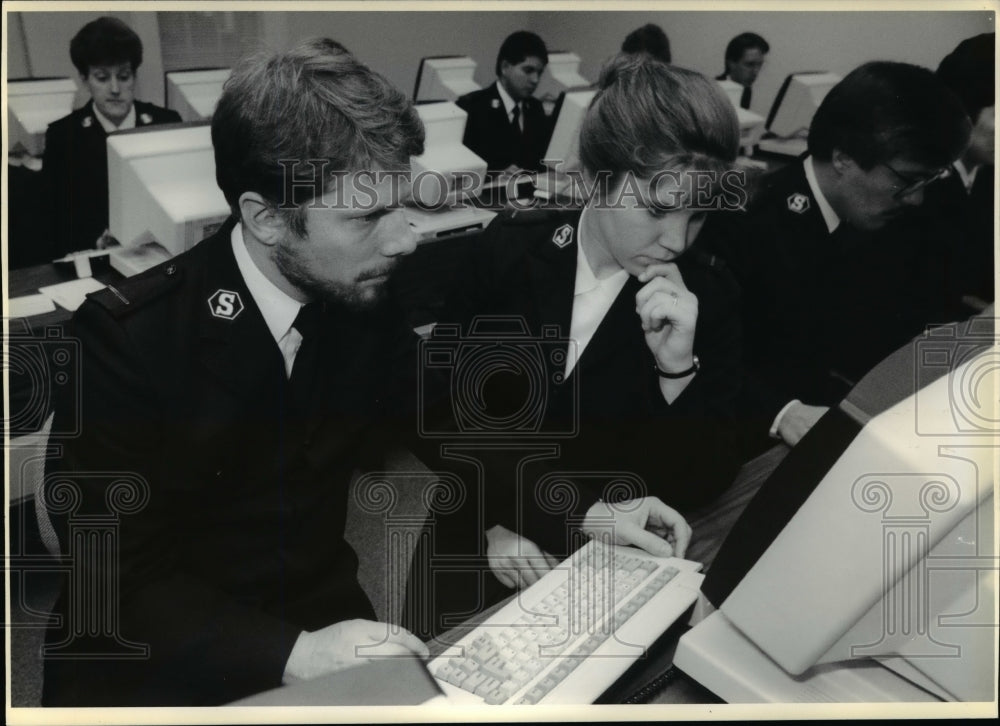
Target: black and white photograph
{"x": 446, "y": 361}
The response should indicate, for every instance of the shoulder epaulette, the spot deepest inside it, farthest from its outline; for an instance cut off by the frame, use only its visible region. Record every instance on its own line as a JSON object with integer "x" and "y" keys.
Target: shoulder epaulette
{"x": 126, "y": 296}
{"x": 531, "y": 216}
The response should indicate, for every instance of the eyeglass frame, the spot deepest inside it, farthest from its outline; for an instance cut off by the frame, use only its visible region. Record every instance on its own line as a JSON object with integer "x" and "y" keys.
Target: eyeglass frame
{"x": 915, "y": 185}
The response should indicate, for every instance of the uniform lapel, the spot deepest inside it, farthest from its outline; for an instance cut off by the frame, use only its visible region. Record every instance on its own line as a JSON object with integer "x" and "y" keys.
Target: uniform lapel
{"x": 619, "y": 327}
{"x": 238, "y": 349}
{"x": 552, "y": 271}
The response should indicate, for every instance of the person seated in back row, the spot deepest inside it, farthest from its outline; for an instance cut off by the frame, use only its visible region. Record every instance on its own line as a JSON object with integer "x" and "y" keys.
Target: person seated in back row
{"x": 507, "y": 125}
{"x": 745, "y": 56}
{"x": 651, "y": 39}
{"x": 831, "y": 282}
{"x": 107, "y": 53}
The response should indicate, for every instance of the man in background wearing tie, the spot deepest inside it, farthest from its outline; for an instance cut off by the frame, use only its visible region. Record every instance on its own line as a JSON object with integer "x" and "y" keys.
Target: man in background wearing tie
{"x": 507, "y": 125}
{"x": 829, "y": 286}
{"x": 225, "y": 398}
{"x": 745, "y": 56}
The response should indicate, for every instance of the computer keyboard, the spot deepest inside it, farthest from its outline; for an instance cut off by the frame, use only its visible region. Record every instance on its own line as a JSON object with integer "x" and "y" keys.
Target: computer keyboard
{"x": 568, "y": 637}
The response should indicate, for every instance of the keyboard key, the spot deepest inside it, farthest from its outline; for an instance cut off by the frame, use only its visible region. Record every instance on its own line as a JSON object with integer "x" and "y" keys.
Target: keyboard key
{"x": 592, "y": 594}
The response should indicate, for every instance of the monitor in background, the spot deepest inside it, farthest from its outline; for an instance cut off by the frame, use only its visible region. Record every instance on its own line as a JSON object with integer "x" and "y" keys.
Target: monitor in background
{"x": 751, "y": 124}
{"x": 563, "y": 153}
{"x": 444, "y": 78}
{"x": 32, "y": 104}
{"x": 882, "y": 586}
{"x": 194, "y": 93}
{"x": 561, "y": 74}
{"x": 446, "y": 176}
{"x": 793, "y": 110}
{"x": 163, "y": 198}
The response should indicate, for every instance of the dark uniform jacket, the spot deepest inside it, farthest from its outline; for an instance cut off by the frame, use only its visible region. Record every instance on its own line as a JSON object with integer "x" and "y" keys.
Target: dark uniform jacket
{"x": 228, "y": 511}
{"x": 551, "y": 447}
{"x": 491, "y": 135}
{"x": 962, "y": 220}
{"x": 820, "y": 309}
{"x": 75, "y": 165}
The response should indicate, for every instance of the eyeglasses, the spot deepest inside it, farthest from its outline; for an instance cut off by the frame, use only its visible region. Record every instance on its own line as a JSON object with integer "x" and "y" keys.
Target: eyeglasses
{"x": 911, "y": 185}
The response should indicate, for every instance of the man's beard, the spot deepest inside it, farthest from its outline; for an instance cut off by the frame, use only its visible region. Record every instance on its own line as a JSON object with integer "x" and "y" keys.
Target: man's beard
{"x": 353, "y": 296}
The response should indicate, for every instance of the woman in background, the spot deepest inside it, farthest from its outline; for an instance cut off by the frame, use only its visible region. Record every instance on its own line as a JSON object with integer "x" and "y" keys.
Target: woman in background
{"x": 106, "y": 53}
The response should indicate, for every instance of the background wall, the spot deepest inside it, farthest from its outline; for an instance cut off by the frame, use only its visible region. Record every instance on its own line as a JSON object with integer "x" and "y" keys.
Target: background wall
{"x": 394, "y": 42}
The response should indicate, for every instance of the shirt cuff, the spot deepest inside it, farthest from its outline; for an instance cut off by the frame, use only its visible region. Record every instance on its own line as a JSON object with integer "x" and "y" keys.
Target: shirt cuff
{"x": 777, "y": 419}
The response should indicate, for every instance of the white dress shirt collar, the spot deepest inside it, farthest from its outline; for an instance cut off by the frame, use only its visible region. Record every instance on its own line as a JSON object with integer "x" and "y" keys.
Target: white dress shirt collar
{"x": 508, "y": 102}
{"x": 967, "y": 176}
{"x": 829, "y": 216}
{"x": 592, "y": 298}
{"x": 108, "y": 124}
{"x": 277, "y": 307}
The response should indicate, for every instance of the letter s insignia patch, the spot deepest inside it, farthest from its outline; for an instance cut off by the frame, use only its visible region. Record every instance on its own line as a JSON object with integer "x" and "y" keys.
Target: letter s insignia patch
{"x": 225, "y": 304}
{"x": 563, "y": 236}
{"x": 798, "y": 203}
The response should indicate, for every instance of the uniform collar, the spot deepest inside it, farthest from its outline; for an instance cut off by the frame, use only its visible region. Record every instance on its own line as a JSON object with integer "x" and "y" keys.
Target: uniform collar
{"x": 829, "y": 216}
{"x": 109, "y": 126}
{"x": 276, "y": 306}
{"x": 585, "y": 278}
{"x": 508, "y": 102}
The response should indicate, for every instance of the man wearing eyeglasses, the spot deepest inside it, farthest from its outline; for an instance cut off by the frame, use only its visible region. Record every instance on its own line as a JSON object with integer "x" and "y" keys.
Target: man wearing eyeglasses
{"x": 830, "y": 286}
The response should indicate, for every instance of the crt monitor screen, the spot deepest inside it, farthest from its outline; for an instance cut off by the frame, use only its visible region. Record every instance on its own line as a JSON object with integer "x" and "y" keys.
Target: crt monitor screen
{"x": 887, "y": 552}
{"x": 561, "y": 74}
{"x": 797, "y": 101}
{"x": 194, "y": 94}
{"x": 162, "y": 189}
{"x": 32, "y": 105}
{"x": 445, "y": 78}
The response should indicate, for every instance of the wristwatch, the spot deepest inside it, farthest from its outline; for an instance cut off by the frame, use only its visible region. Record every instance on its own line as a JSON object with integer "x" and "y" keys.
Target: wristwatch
{"x": 695, "y": 366}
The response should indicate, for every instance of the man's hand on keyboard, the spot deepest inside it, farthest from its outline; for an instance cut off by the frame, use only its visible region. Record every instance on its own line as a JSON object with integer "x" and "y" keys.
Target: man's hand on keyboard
{"x": 345, "y": 644}
{"x": 647, "y": 523}
{"x": 516, "y": 561}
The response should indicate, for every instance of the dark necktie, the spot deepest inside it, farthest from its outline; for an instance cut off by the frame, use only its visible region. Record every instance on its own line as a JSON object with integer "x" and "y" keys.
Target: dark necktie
{"x": 302, "y": 382}
{"x": 745, "y": 98}
{"x": 516, "y": 119}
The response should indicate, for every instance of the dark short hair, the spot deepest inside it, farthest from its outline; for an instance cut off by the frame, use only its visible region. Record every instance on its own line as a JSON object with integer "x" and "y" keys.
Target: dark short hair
{"x": 648, "y": 116}
{"x": 883, "y": 110}
{"x": 744, "y": 42}
{"x": 970, "y": 72}
{"x": 104, "y": 42}
{"x": 520, "y": 45}
{"x": 315, "y": 104}
{"x": 651, "y": 39}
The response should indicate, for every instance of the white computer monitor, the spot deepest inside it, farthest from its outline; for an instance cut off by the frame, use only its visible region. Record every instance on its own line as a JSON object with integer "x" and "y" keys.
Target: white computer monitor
{"x": 882, "y": 587}
{"x": 446, "y": 177}
{"x": 751, "y": 124}
{"x": 163, "y": 198}
{"x": 31, "y": 106}
{"x": 194, "y": 94}
{"x": 797, "y": 101}
{"x": 562, "y": 157}
{"x": 445, "y": 78}
{"x": 561, "y": 74}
